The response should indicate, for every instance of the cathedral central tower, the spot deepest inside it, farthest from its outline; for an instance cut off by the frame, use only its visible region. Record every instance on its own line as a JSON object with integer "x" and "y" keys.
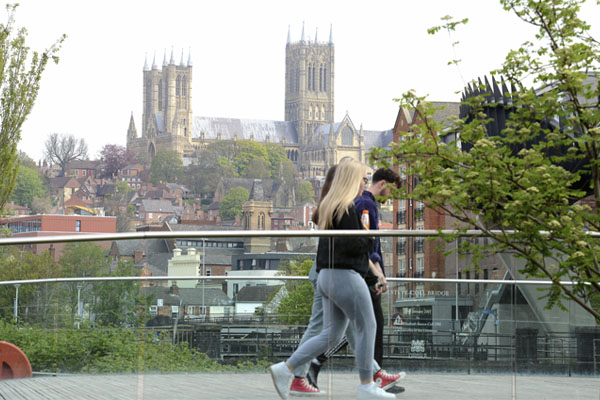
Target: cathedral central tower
{"x": 309, "y": 83}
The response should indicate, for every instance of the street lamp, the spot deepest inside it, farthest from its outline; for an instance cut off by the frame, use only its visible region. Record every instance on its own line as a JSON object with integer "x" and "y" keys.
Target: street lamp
{"x": 16, "y": 310}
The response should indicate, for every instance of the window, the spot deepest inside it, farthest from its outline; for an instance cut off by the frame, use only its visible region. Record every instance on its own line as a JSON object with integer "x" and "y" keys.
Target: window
{"x": 401, "y": 217}
{"x": 347, "y": 136}
{"x": 208, "y": 271}
{"x": 419, "y": 245}
{"x": 401, "y": 245}
{"x": 78, "y": 225}
{"x": 160, "y": 95}
{"x": 420, "y": 266}
{"x": 402, "y": 267}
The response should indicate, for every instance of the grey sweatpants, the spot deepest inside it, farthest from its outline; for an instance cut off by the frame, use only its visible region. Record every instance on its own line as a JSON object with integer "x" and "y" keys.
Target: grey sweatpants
{"x": 346, "y": 299}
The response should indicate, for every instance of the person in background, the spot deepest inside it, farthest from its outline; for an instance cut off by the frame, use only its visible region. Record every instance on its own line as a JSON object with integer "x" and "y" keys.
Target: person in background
{"x": 342, "y": 263}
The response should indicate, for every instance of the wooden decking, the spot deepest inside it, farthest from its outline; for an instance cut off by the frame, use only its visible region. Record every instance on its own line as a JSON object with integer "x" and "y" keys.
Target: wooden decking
{"x": 339, "y": 385}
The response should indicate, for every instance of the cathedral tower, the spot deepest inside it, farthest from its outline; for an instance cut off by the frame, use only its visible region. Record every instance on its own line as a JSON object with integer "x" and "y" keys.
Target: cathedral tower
{"x": 309, "y": 86}
{"x": 167, "y": 105}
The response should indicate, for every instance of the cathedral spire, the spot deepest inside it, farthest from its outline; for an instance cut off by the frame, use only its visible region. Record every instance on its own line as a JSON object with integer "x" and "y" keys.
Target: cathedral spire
{"x": 302, "y": 38}
{"x": 189, "y": 64}
{"x": 154, "y": 61}
{"x": 172, "y": 61}
{"x": 131, "y": 131}
{"x": 331, "y": 34}
{"x": 181, "y": 62}
{"x": 289, "y": 36}
{"x": 316, "y": 34}
{"x": 165, "y": 59}
{"x": 146, "y": 63}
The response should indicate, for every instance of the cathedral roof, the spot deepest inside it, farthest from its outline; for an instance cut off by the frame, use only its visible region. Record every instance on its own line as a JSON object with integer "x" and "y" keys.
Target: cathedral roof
{"x": 377, "y": 139}
{"x": 258, "y": 130}
{"x": 325, "y": 129}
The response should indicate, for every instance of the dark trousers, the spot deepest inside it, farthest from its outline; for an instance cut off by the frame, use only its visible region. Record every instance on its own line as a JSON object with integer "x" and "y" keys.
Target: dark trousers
{"x": 378, "y": 355}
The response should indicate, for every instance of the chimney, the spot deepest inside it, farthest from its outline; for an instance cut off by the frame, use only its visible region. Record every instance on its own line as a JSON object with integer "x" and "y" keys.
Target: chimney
{"x": 174, "y": 290}
{"x": 52, "y": 252}
{"x": 137, "y": 256}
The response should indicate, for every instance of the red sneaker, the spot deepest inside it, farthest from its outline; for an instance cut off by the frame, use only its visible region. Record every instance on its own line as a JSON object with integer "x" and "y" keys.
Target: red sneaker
{"x": 302, "y": 387}
{"x": 385, "y": 380}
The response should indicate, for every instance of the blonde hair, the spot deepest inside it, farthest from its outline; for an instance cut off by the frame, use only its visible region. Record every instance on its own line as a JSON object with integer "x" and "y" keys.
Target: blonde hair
{"x": 344, "y": 189}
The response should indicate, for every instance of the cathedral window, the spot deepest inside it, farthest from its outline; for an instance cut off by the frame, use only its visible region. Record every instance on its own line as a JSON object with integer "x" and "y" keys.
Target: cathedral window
{"x": 321, "y": 79}
{"x": 297, "y": 80}
{"x": 160, "y": 95}
{"x": 309, "y": 78}
{"x": 178, "y": 86}
{"x": 313, "y": 78}
{"x": 148, "y": 97}
{"x": 347, "y": 136}
{"x": 324, "y": 79}
{"x": 184, "y": 87}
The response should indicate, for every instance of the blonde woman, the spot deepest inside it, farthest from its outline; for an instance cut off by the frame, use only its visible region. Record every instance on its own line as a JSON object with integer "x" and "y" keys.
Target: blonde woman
{"x": 342, "y": 263}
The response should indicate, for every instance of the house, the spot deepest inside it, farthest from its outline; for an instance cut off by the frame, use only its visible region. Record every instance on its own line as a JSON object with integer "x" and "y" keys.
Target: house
{"x": 63, "y": 187}
{"x": 252, "y": 298}
{"x": 83, "y": 168}
{"x": 15, "y": 209}
{"x": 150, "y": 256}
{"x": 132, "y": 175}
{"x": 158, "y": 211}
{"x": 190, "y": 303}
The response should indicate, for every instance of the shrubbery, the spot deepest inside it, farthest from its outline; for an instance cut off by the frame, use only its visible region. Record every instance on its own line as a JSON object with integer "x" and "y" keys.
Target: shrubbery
{"x": 108, "y": 350}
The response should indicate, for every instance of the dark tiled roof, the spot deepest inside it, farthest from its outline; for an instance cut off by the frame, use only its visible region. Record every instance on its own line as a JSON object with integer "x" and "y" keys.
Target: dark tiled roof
{"x": 256, "y": 294}
{"x": 83, "y": 164}
{"x": 188, "y": 296}
{"x": 159, "y": 206}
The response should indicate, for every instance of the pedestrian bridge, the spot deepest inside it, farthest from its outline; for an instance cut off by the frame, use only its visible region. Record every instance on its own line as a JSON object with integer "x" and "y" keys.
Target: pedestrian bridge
{"x": 258, "y": 386}
{"x": 456, "y": 338}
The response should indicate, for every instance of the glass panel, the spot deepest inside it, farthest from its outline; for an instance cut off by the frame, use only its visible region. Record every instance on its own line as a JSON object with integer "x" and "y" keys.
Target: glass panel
{"x": 246, "y": 315}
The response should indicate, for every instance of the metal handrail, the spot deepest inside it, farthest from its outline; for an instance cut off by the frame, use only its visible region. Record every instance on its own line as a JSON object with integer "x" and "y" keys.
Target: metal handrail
{"x": 270, "y": 278}
{"x": 88, "y": 237}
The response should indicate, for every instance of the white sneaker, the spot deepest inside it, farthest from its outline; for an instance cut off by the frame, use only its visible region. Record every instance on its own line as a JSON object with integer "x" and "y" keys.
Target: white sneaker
{"x": 282, "y": 379}
{"x": 373, "y": 392}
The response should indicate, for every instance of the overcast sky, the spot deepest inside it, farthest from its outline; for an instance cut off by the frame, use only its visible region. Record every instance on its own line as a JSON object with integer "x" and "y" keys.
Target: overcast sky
{"x": 382, "y": 49}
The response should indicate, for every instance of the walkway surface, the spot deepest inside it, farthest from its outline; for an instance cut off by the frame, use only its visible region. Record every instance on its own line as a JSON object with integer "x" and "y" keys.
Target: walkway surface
{"x": 339, "y": 385}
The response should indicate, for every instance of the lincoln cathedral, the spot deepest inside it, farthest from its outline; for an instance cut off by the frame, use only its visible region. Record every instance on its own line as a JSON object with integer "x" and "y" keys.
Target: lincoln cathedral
{"x": 308, "y": 133}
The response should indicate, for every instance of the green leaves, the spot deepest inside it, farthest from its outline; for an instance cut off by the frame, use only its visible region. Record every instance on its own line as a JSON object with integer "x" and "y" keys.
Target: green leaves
{"x": 531, "y": 177}
{"x": 231, "y": 206}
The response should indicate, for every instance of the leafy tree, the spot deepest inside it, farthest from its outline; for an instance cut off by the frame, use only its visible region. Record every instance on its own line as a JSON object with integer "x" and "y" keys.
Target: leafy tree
{"x": 530, "y": 177}
{"x": 26, "y": 161}
{"x": 238, "y": 155}
{"x": 113, "y": 158}
{"x": 305, "y": 192}
{"x": 258, "y": 168}
{"x": 232, "y": 202}
{"x": 29, "y": 186}
{"x": 41, "y": 205}
{"x": 80, "y": 260}
{"x": 35, "y": 301}
{"x": 296, "y": 307}
{"x": 20, "y": 76}
{"x": 166, "y": 167}
{"x": 61, "y": 149}
{"x": 117, "y": 302}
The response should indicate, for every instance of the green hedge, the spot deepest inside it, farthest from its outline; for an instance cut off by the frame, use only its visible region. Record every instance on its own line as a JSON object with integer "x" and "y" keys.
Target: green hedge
{"x": 108, "y": 350}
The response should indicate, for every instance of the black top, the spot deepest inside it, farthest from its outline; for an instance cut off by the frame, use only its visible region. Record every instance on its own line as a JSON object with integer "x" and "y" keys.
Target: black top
{"x": 346, "y": 252}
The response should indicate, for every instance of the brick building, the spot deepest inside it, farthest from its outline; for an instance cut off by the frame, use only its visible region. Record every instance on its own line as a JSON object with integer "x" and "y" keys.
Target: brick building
{"x": 57, "y": 225}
